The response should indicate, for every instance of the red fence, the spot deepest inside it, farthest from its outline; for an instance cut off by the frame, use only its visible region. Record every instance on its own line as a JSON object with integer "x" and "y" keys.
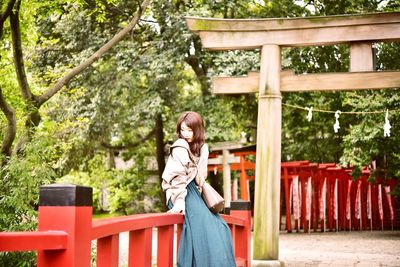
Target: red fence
{"x": 323, "y": 196}
{"x": 66, "y": 230}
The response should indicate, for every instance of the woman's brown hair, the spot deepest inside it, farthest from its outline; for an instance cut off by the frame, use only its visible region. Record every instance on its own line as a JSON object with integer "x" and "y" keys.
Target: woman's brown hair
{"x": 194, "y": 121}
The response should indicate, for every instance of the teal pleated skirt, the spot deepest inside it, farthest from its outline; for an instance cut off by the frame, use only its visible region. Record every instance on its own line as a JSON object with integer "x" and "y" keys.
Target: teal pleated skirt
{"x": 206, "y": 239}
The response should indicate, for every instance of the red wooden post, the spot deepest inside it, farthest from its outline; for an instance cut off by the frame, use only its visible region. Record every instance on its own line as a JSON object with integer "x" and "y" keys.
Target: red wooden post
{"x": 330, "y": 180}
{"x": 165, "y": 246}
{"x": 140, "y": 244}
{"x": 242, "y": 209}
{"x": 342, "y": 182}
{"x": 321, "y": 198}
{"x": 303, "y": 220}
{"x": 244, "y": 190}
{"x": 66, "y": 208}
{"x": 363, "y": 202}
{"x": 314, "y": 198}
{"x": 107, "y": 251}
{"x": 179, "y": 228}
{"x": 287, "y": 200}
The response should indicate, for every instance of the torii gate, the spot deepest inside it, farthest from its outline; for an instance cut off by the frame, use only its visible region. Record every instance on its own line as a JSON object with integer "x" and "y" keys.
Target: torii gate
{"x": 360, "y": 31}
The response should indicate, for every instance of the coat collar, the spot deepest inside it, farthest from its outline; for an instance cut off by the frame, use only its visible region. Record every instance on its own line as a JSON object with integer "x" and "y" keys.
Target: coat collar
{"x": 181, "y": 143}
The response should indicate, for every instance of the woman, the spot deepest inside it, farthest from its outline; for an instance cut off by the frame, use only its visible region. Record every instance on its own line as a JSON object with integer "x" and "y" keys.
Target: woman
{"x": 205, "y": 240}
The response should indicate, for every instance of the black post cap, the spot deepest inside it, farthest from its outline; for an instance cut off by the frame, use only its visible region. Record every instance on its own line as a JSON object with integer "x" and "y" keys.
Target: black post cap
{"x": 240, "y": 205}
{"x": 227, "y": 210}
{"x": 65, "y": 195}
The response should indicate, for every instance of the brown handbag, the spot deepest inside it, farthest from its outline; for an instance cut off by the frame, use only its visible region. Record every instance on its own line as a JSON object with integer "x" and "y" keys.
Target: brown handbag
{"x": 214, "y": 201}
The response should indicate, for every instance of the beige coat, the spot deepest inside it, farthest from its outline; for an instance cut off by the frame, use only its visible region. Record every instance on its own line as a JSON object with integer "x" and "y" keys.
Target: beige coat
{"x": 180, "y": 170}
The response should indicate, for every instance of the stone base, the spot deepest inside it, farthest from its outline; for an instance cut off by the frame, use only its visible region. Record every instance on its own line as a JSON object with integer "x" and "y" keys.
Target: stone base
{"x": 267, "y": 263}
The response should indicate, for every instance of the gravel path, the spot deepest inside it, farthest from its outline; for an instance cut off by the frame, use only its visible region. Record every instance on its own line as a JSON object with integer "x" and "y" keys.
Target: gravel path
{"x": 356, "y": 248}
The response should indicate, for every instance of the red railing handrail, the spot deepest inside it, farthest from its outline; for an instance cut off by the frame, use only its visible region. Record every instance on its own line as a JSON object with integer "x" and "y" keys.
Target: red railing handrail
{"x": 229, "y": 219}
{"x": 53, "y": 240}
{"x": 38, "y": 240}
{"x": 107, "y": 227}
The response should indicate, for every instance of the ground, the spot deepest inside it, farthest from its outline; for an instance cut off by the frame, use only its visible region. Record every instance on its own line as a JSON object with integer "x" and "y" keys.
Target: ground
{"x": 356, "y": 248}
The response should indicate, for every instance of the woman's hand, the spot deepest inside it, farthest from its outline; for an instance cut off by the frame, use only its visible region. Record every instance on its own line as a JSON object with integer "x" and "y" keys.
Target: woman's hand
{"x": 176, "y": 210}
{"x": 200, "y": 180}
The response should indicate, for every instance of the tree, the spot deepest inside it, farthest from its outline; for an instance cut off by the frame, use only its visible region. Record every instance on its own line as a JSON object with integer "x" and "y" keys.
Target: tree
{"x": 32, "y": 101}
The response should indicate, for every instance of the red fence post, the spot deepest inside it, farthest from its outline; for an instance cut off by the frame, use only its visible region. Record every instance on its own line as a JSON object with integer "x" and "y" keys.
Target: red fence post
{"x": 140, "y": 244}
{"x": 242, "y": 235}
{"x": 165, "y": 246}
{"x": 107, "y": 251}
{"x": 66, "y": 208}
{"x": 287, "y": 198}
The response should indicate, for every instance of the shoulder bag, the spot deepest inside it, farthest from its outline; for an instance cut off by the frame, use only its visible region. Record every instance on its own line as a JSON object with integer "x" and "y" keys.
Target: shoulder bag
{"x": 214, "y": 201}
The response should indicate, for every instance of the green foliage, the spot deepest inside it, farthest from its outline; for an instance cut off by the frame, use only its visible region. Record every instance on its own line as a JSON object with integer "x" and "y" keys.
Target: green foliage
{"x": 19, "y": 189}
{"x": 366, "y": 141}
{"x": 18, "y": 259}
{"x": 20, "y": 183}
{"x": 114, "y": 190}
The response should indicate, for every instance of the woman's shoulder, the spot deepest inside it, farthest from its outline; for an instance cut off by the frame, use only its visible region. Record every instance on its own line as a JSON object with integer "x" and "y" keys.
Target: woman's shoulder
{"x": 204, "y": 147}
{"x": 180, "y": 150}
{"x": 181, "y": 143}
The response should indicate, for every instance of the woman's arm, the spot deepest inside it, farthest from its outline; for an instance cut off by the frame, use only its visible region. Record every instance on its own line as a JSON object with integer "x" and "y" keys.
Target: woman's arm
{"x": 202, "y": 166}
{"x": 184, "y": 170}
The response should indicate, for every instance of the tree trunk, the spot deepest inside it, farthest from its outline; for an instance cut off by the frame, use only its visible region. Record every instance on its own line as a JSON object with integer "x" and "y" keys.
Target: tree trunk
{"x": 199, "y": 68}
{"x": 110, "y": 159}
{"x": 4, "y": 15}
{"x": 160, "y": 151}
{"x": 32, "y": 121}
{"x": 19, "y": 64}
{"x": 11, "y": 129}
{"x": 33, "y": 118}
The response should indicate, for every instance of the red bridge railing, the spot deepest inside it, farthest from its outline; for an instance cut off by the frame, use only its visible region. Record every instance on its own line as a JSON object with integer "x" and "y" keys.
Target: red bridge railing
{"x": 66, "y": 231}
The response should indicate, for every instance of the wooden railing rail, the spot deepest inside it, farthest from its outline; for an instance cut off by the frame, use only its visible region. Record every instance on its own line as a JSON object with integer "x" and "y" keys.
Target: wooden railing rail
{"x": 27, "y": 241}
{"x": 110, "y": 226}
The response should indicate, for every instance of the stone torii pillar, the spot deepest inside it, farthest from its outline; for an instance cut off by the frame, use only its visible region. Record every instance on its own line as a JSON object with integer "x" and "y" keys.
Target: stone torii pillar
{"x": 268, "y": 156}
{"x": 270, "y": 35}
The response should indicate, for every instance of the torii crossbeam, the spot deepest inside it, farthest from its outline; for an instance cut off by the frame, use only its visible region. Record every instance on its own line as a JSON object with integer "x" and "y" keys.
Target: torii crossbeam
{"x": 270, "y": 35}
